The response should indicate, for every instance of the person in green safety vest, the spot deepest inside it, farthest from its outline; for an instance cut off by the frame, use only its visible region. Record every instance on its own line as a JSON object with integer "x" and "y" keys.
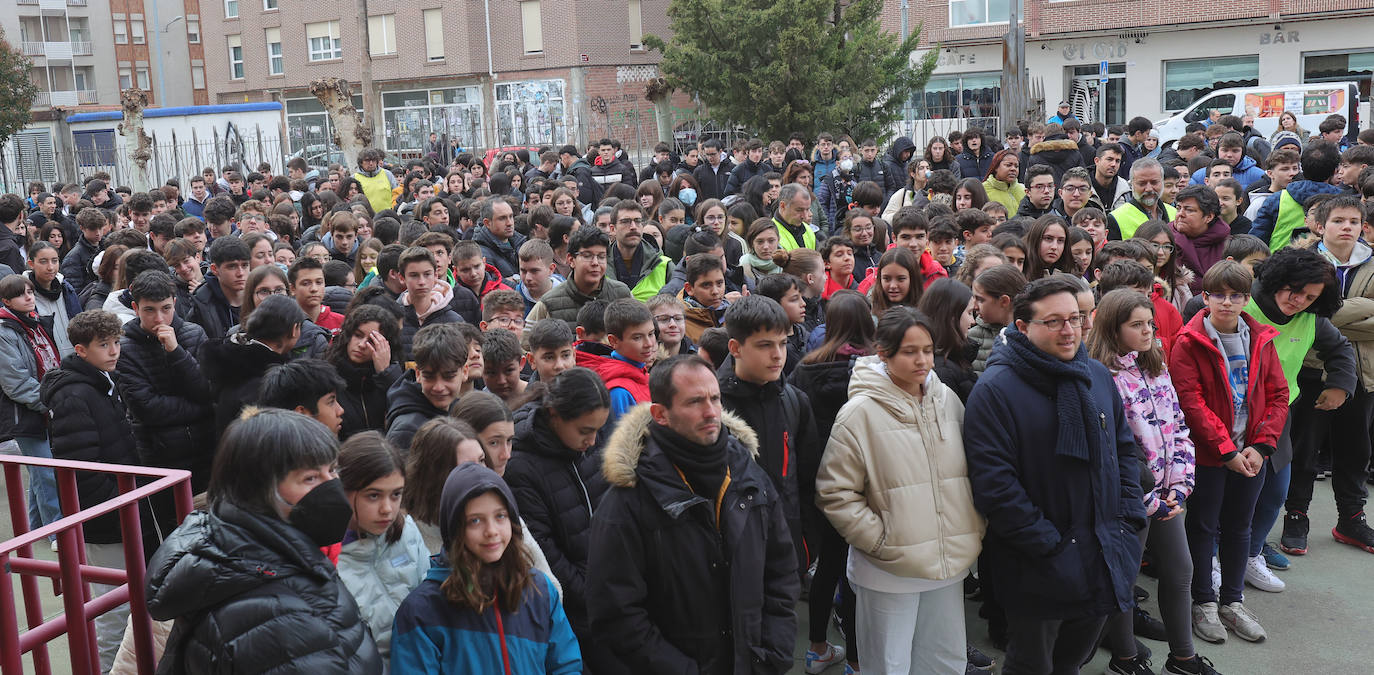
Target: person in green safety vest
{"x": 636, "y": 261}
{"x": 377, "y": 183}
{"x": 794, "y": 211}
{"x": 1147, "y": 183}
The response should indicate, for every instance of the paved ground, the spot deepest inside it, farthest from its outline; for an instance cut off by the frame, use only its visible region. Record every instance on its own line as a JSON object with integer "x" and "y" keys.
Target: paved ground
{"x": 1323, "y": 622}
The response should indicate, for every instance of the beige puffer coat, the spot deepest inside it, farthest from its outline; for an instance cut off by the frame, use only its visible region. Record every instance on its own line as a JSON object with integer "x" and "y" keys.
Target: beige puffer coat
{"x": 894, "y": 481}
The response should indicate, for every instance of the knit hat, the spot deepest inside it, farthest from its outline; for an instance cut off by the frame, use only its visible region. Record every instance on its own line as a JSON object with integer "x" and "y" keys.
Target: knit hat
{"x": 1287, "y": 138}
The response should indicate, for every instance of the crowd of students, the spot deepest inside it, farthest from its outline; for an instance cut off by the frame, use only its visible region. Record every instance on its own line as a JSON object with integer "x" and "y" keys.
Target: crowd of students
{"x": 539, "y": 416}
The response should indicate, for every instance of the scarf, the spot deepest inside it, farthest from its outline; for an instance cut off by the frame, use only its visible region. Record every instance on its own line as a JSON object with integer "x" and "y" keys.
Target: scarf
{"x": 1069, "y": 382}
{"x": 44, "y": 351}
{"x": 703, "y": 466}
{"x": 1186, "y": 248}
{"x": 759, "y": 264}
{"x": 53, "y": 295}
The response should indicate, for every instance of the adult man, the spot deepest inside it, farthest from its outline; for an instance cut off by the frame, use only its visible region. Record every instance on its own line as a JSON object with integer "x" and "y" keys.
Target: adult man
{"x": 1142, "y": 204}
{"x": 1282, "y": 213}
{"x": 751, "y": 166}
{"x": 194, "y": 205}
{"x": 609, "y": 168}
{"x": 1109, "y": 188}
{"x": 588, "y": 250}
{"x": 636, "y": 262}
{"x": 1053, "y": 466}
{"x": 794, "y": 212}
{"x": 714, "y": 173}
{"x": 377, "y": 183}
{"x": 1062, "y": 114}
{"x": 497, "y": 236}
{"x": 691, "y": 565}
{"x": 1039, "y": 198}
{"x": 1133, "y": 144}
{"x": 1231, "y": 148}
{"x": 1074, "y": 190}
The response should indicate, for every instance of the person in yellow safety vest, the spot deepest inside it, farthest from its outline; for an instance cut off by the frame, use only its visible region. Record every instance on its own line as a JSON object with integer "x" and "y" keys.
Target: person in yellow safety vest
{"x": 635, "y": 261}
{"x": 1147, "y": 183}
{"x": 794, "y": 211}
{"x": 1282, "y": 214}
{"x": 377, "y": 183}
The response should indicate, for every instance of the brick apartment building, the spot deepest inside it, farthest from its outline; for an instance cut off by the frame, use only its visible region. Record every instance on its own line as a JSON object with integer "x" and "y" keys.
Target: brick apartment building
{"x": 1159, "y": 56}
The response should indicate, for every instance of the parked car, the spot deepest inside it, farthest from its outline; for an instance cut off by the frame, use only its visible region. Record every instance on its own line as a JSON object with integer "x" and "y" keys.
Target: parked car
{"x": 319, "y": 157}
{"x": 1311, "y": 103}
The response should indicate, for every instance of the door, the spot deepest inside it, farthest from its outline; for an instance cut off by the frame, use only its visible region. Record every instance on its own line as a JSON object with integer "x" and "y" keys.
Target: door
{"x": 1094, "y": 100}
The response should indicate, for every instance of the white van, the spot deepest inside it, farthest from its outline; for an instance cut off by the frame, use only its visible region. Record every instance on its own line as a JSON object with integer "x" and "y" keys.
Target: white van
{"x": 1311, "y": 103}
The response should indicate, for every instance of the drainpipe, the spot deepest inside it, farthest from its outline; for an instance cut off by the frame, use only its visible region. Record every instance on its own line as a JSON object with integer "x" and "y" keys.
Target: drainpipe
{"x": 491, "y": 68}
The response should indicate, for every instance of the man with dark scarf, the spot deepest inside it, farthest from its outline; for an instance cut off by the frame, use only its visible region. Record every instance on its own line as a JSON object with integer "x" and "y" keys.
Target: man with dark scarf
{"x": 691, "y": 567}
{"x": 1055, "y": 469}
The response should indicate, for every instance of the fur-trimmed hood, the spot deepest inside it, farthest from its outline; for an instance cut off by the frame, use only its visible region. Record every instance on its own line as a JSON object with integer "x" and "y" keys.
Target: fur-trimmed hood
{"x": 1050, "y": 146}
{"x": 627, "y": 443}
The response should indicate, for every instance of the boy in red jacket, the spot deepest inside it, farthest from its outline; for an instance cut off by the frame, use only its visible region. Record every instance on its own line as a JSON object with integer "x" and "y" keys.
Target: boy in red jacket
{"x": 1132, "y": 274}
{"x": 1235, "y": 399}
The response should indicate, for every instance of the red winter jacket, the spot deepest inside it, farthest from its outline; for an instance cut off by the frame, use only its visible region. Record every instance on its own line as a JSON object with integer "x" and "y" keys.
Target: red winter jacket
{"x": 1199, "y": 372}
{"x": 1167, "y": 319}
{"x": 494, "y": 281}
{"x": 930, "y": 271}
{"x": 616, "y": 373}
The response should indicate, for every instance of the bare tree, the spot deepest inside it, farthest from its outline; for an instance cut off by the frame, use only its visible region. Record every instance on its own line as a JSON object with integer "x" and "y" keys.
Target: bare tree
{"x": 350, "y": 134}
{"x": 140, "y": 147}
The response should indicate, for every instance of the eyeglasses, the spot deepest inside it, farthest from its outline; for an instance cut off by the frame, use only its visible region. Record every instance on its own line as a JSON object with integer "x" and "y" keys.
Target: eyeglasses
{"x": 714, "y": 218}
{"x": 507, "y": 322}
{"x": 670, "y": 318}
{"x": 592, "y": 257}
{"x": 1167, "y": 248}
{"x": 1047, "y": 187}
{"x": 1057, "y": 325}
{"x": 1235, "y": 298}
{"x": 1075, "y": 189}
{"x": 265, "y": 292}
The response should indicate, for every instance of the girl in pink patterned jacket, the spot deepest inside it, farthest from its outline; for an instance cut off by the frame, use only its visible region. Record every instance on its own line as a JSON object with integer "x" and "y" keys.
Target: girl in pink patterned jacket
{"x": 1123, "y": 339}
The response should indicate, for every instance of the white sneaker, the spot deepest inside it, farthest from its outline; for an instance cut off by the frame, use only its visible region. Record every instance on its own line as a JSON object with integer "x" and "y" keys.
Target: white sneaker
{"x": 1257, "y": 574}
{"x": 1241, "y": 622}
{"x": 817, "y": 663}
{"x": 1206, "y": 623}
{"x": 1216, "y": 576}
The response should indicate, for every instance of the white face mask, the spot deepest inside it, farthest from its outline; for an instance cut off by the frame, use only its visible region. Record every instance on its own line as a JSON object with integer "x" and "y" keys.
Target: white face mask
{"x": 846, "y": 164}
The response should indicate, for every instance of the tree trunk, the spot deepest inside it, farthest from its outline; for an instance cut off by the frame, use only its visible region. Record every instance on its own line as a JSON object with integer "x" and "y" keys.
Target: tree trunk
{"x": 139, "y": 146}
{"x": 660, "y": 94}
{"x": 350, "y": 134}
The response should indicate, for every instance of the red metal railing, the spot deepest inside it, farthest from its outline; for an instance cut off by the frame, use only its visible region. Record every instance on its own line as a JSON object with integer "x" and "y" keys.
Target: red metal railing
{"x": 71, "y": 574}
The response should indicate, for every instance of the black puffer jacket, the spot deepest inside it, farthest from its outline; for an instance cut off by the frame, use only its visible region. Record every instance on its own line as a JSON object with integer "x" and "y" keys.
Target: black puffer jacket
{"x": 88, "y": 425}
{"x": 1057, "y": 152}
{"x": 212, "y": 310}
{"x": 364, "y": 401}
{"x": 76, "y": 265}
{"x": 337, "y": 298}
{"x": 251, "y": 594}
{"x": 408, "y": 410}
{"x": 557, "y": 489}
{"x": 235, "y": 367}
{"x": 506, "y": 257}
{"x": 959, "y": 378}
{"x": 826, "y": 384}
{"x": 669, "y": 590}
{"x": 894, "y": 165}
{"x": 169, "y": 399}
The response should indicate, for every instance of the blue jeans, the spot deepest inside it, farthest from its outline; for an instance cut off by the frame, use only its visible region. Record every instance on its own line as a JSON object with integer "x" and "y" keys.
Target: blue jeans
{"x": 44, "y": 507}
{"x": 1270, "y": 502}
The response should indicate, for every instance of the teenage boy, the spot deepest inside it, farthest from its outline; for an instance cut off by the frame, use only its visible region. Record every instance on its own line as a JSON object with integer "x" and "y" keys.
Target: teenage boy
{"x": 944, "y": 244}
{"x": 1281, "y": 166}
{"x": 752, "y": 387}
{"x": 1074, "y": 189}
{"x": 168, "y": 397}
{"x": 306, "y": 278}
{"x": 436, "y": 380}
{"x": 703, "y": 294}
{"x": 1354, "y": 160}
{"x": 1234, "y": 397}
{"x": 1345, "y": 430}
{"x": 1231, "y": 150}
{"x": 76, "y": 266}
{"x": 502, "y": 361}
{"x": 1039, "y": 199}
{"x": 637, "y": 262}
{"x": 838, "y": 254}
{"x": 975, "y": 227}
{"x": 473, "y": 272}
{"x": 307, "y": 386}
{"x": 551, "y": 349}
{"x": 425, "y": 299}
{"x": 344, "y": 234}
{"x": 218, "y": 298}
{"x": 671, "y": 321}
{"x": 538, "y": 273}
{"x": 911, "y": 229}
{"x": 623, "y": 362}
{"x": 193, "y": 231}
{"x": 588, "y": 251}
{"x": 87, "y": 423}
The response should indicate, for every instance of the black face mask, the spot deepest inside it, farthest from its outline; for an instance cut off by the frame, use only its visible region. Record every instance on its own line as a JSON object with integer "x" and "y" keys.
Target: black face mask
{"x": 323, "y": 513}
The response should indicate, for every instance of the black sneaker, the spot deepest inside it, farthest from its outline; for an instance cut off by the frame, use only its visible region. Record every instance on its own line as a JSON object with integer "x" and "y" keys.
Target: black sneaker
{"x": 1198, "y": 665}
{"x": 1148, "y": 627}
{"x": 1355, "y": 532}
{"x": 1136, "y": 666}
{"x": 977, "y": 660}
{"x": 1141, "y": 595}
{"x": 1294, "y": 539}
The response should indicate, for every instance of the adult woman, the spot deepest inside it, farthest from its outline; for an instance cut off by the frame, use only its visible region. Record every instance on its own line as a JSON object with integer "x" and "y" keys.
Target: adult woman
{"x": 938, "y": 154}
{"x": 259, "y": 250}
{"x": 897, "y": 448}
{"x": 362, "y": 354}
{"x": 556, "y": 478}
{"x": 248, "y": 570}
{"x": 1177, "y": 279}
{"x": 949, "y": 304}
{"x": 1047, "y": 248}
{"x": 869, "y": 238}
{"x": 1001, "y": 185}
{"x": 899, "y": 281}
{"x": 1289, "y": 122}
{"x": 757, "y": 262}
{"x": 969, "y": 194}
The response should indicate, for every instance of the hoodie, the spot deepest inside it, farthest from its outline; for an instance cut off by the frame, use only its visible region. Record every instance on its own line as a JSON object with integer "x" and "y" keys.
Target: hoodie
{"x": 437, "y": 312}
{"x": 1245, "y": 173}
{"x": 1300, "y": 191}
{"x": 894, "y": 167}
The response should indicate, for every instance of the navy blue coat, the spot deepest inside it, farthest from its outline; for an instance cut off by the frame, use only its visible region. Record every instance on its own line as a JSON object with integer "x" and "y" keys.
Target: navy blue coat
{"x": 1061, "y": 540}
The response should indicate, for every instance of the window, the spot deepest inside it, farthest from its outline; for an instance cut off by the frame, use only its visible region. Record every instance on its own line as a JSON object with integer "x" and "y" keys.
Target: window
{"x": 434, "y": 34}
{"x": 1341, "y": 66}
{"x": 1188, "y": 81}
{"x": 381, "y": 34}
{"x": 82, "y": 77}
{"x": 275, "y": 62}
{"x": 121, "y": 31}
{"x": 531, "y": 22}
{"x": 235, "y": 57}
{"x": 197, "y": 77}
{"x": 142, "y": 72}
{"x": 193, "y": 31}
{"x": 636, "y": 26}
{"x": 973, "y": 95}
{"x": 410, "y": 117}
{"x": 324, "y": 40}
{"x": 976, "y": 12}
{"x": 137, "y": 25}
{"x": 79, "y": 30}
{"x": 269, "y": 5}
{"x": 126, "y": 78}
{"x": 309, "y": 131}
{"x": 530, "y": 113}
{"x": 231, "y": 9}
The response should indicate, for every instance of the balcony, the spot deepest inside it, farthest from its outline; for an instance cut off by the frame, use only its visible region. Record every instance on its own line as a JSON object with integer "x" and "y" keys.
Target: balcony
{"x": 52, "y": 99}
{"x": 58, "y": 51}
{"x": 52, "y": 6}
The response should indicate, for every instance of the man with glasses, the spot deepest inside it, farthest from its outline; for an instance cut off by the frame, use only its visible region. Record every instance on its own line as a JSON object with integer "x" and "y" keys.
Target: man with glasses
{"x": 1143, "y": 203}
{"x": 588, "y": 253}
{"x": 637, "y": 262}
{"x": 1054, "y": 469}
